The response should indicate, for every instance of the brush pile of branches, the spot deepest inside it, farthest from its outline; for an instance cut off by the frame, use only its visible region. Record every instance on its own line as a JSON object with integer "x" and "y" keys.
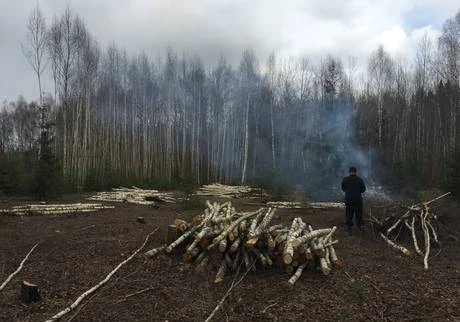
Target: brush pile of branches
{"x": 300, "y": 205}
{"x": 134, "y": 195}
{"x": 228, "y": 239}
{"x": 417, "y": 221}
{"x": 225, "y": 191}
{"x": 54, "y": 209}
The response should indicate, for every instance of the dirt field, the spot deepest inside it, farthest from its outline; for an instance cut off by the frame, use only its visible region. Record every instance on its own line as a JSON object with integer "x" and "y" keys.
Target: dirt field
{"x": 77, "y": 251}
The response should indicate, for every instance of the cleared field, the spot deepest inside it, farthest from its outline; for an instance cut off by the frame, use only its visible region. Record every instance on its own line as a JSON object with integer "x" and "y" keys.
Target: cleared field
{"x": 77, "y": 251}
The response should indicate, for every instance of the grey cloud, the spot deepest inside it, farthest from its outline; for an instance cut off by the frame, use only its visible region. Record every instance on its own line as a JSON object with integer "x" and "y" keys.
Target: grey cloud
{"x": 209, "y": 28}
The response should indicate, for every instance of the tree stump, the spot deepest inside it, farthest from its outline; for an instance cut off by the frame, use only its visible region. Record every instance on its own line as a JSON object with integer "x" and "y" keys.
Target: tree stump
{"x": 29, "y": 292}
{"x": 140, "y": 220}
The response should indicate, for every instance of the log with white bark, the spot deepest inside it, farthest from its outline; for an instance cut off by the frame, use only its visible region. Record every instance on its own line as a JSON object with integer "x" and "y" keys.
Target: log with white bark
{"x": 297, "y": 274}
{"x": 414, "y": 237}
{"x": 426, "y": 235}
{"x": 311, "y": 235}
{"x": 54, "y": 209}
{"x": 60, "y": 314}
{"x": 234, "y": 224}
{"x": 294, "y": 232}
{"x": 326, "y": 205}
{"x": 225, "y": 191}
{"x": 286, "y": 204}
{"x": 151, "y": 253}
{"x": 402, "y": 249}
{"x": 336, "y": 262}
{"x": 324, "y": 267}
{"x": 181, "y": 239}
{"x": 21, "y": 265}
{"x": 134, "y": 195}
{"x": 302, "y": 205}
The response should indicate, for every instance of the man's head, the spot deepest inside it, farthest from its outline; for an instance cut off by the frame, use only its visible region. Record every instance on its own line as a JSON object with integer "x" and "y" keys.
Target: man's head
{"x": 352, "y": 171}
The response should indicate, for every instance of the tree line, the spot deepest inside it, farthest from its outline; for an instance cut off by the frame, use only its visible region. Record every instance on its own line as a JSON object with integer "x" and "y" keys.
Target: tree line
{"x": 115, "y": 118}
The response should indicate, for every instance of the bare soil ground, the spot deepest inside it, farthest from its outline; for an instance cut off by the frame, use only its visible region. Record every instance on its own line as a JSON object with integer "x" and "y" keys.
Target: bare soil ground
{"x": 78, "y": 251}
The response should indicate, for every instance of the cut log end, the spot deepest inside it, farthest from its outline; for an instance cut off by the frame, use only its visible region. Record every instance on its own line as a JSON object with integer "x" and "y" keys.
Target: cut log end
{"x": 251, "y": 242}
{"x": 338, "y": 264}
{"x": 222, "y": 246}
{"x": 287, "y": 259}
{"x": 181, "y": 224}
{"x": 296, "y": 243}
{"x": 140, "y": 220}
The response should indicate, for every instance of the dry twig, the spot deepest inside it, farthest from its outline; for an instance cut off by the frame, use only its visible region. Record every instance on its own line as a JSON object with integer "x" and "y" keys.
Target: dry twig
{"x": 235, "y": 283}
{"x": 416, "y": 213}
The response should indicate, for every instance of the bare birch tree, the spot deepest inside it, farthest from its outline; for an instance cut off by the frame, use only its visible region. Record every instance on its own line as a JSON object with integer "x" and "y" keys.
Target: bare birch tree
{"x": 35, "y": 48}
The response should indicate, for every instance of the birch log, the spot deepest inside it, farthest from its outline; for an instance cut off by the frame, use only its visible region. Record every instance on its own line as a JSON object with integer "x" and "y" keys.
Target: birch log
{"x": 21, "y": 265}
{"x": 101, "y": 283}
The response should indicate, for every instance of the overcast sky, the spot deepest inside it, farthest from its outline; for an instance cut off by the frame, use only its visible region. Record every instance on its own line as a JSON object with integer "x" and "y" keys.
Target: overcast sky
{"x": 312, "y": 28}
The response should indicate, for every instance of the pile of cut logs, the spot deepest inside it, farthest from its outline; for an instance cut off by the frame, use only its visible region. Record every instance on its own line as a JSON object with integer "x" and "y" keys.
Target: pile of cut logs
{"x": 286, "y": 204}
{"x": 224, "y": 191}
{"x": 222, "y": 235}
{"x": 134, "y": 195}
{"x": 54, "y": 209}
{"x": 417, "y": 221}
{"x": 299, "y": 205}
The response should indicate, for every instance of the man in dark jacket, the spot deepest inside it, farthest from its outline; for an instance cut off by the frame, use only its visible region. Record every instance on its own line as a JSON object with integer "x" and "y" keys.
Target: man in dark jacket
{"x": 353, "y": 186}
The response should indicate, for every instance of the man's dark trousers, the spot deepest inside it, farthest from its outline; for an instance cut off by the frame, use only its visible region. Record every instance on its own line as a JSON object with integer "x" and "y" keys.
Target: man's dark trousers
{"x": 354, "y": 208}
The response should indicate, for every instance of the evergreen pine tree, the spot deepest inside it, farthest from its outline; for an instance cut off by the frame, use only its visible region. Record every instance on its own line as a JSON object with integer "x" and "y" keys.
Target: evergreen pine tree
{"x": 46, "y": 178}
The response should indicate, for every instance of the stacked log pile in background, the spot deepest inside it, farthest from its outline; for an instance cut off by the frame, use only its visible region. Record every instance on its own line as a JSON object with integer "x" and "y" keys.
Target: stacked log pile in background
{"x": 299, "y": 205}
{"x": 231, "y": 239}
{"x": 225, "y": 191}
{"x": 286, "y": 204}
{"x": 134, "y": 195}
{"x": 417, "y": 221}
{"x": 54, "y": 209}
